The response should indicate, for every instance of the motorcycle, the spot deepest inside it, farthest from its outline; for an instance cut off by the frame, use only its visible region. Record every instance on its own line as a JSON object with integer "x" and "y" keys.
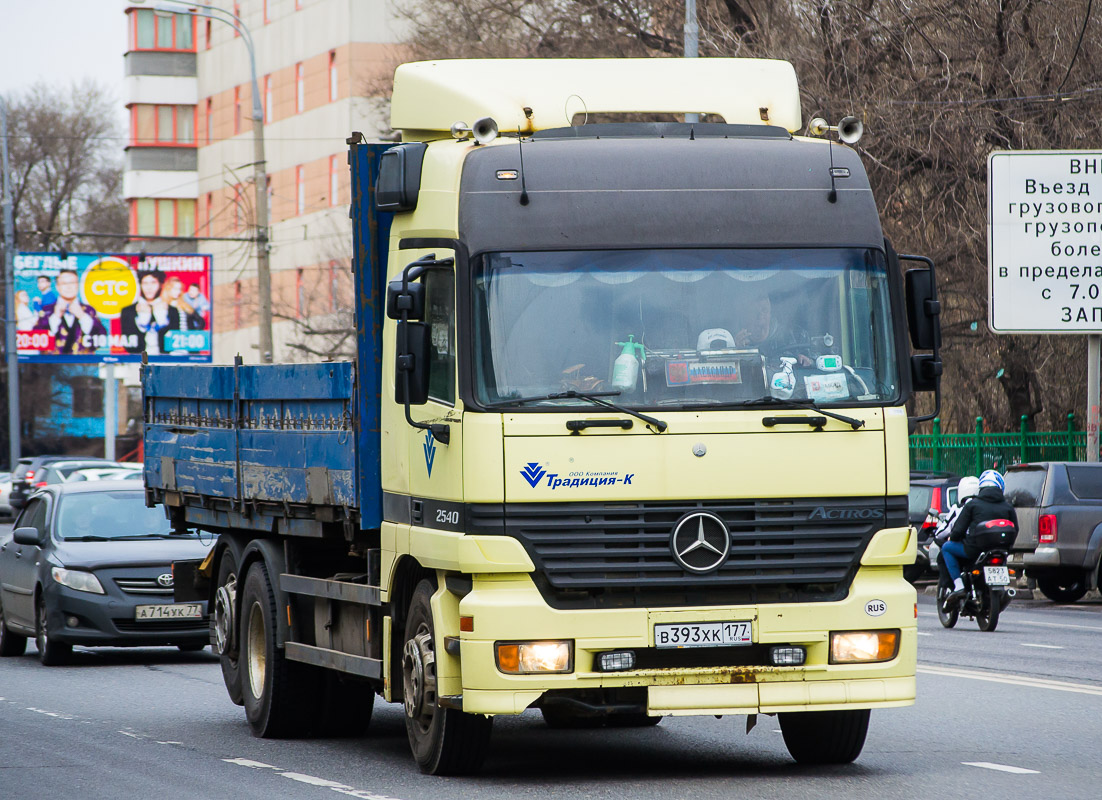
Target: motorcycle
{"x": 986, "y": 580}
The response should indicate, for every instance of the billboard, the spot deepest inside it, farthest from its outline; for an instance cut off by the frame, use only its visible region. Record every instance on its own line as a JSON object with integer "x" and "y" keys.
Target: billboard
{"x": 113, "y": 307}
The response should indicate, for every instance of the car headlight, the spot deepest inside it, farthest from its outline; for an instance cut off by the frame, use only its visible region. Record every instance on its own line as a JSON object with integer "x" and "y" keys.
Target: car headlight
{"x": 520, "y": 658}
{"x": 78, "y": 579}
{"x": 863, "y": 647}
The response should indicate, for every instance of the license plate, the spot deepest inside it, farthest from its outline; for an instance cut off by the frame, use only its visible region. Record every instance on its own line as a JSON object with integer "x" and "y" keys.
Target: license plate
{"x": 174, "y": 611}
{"x": 996, "y": 576}
{"x": 702, "y": 634}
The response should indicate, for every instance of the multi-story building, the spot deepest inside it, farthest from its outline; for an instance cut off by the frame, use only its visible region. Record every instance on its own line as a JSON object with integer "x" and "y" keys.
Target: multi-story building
{"x": 190, "y": 157}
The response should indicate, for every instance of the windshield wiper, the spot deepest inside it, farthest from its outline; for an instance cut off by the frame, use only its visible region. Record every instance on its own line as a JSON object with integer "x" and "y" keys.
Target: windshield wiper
{"x": 88, "y": 538}
{"x": 810, "y": 405}
{"x": 597, "y": 398}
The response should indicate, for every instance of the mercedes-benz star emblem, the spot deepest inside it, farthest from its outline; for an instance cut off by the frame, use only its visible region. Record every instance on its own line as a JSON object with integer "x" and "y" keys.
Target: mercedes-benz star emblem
{"x": 700, "y": 542}
{"x": 165, "y": 579}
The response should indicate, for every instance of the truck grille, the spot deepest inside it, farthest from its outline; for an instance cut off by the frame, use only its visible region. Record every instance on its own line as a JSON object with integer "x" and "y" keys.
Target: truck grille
{"x": 618, "y": 554}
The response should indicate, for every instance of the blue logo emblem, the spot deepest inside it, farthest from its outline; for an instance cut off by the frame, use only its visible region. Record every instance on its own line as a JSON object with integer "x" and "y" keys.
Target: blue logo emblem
{"x": 430, "y": 450}
{"x": 532, "y": 473}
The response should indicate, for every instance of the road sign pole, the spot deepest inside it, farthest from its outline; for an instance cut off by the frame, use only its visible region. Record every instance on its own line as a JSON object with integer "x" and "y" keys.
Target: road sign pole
{"x": 1094, "y": 349}
{"x": 110, "y": 411}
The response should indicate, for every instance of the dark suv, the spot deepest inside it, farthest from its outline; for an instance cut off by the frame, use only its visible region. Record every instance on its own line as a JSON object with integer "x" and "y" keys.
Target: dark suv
{"x": 1059, "y": 542}
{"x": 929, "y": 490}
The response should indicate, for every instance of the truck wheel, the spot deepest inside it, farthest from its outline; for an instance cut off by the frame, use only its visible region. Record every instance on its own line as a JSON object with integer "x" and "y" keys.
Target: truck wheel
{"x": 1063, "y": 587}
{"x": 825, "y": 737}
{"x": 51, "y": 652}
{"x": 223, "y": 624}
{"x": 444, "y": 741}
{"x": 346, "y": 705}
{"x": 277, "y": 703}
{"x": 11, "y": 644}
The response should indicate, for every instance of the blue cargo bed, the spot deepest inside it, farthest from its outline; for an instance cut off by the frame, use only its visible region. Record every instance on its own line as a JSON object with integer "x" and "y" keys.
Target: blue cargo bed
{"x": 265, "y": 447}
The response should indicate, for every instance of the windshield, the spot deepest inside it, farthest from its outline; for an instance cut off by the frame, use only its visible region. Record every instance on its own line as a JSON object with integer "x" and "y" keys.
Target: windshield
{"x": 109, "y": 515}
{"x": 685, "y": 328}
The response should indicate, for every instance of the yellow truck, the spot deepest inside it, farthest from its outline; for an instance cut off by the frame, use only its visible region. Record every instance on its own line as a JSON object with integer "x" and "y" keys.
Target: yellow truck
{"x": 625, "y": 438}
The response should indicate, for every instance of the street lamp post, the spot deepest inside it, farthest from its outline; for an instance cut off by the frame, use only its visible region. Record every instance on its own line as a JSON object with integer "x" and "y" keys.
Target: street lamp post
{"x": 9, "y": 293}
{"x": 260, "y": 180}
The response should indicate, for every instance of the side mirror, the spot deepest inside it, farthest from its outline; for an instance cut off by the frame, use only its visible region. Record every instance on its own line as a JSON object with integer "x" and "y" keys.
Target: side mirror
{"x": 923, "y": 309}
{"x": 411, "y": 367}
{"x": 410, "y": 300}
{"x": 399, "y": 181}
{"x": 925, "y": 373}
{"x": 28, "y": 536}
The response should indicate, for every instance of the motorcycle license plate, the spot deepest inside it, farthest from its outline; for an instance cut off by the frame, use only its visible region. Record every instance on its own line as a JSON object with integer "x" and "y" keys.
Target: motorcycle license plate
{"x": 703, "y": 634}
{"x": 996, "y": 576}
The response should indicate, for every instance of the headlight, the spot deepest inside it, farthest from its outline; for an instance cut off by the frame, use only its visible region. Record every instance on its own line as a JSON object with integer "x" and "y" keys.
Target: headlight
{"x": 77, "y": 579}
{"x": 855, "y": 647}
{"x": 521, "y": 658}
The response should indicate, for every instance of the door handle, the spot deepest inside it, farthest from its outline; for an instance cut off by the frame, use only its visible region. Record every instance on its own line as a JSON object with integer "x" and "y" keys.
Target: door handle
{"x": 815, "y": 422}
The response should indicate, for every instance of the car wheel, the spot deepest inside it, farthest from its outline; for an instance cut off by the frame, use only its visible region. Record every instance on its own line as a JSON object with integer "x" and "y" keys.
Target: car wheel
{"x": 444, "y": 741}
{"x": 1064, "y": 587}
{"x": 51, "y": 652}
{"x": 11, "y": 644}
{"x": 825, "y": 737}
{"x": 224, "y": 624}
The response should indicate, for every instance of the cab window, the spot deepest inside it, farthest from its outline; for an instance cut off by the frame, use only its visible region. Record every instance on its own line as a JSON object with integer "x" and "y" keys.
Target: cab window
{"x": 440, "y": 315}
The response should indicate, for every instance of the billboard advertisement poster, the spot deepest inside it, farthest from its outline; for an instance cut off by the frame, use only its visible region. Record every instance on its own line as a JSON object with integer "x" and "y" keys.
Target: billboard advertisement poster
{"x": 113, "y": 307}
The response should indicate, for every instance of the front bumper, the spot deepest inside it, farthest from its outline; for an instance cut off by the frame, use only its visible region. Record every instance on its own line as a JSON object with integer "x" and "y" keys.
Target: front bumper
{"x": 510, "y": 608}
{"x": 107, "y": 621}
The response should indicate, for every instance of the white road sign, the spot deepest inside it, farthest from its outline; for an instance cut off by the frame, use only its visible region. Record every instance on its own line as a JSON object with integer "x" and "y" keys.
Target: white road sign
{"x": 1044, "y": 236}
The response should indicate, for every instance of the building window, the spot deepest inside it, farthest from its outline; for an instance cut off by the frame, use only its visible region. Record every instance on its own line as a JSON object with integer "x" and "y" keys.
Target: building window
{"x": 267, "y": 99}
{"x": 163, "y": 217}
{"x": 300, "y": 295}
{"x": 145, "y": 217}
{"x": 185, "y": 218}
{"x": 210, "y": 120}
{"x": 334, "y": 287}
{"x": 300, "y": 190}
{"x": 332, "y": 75}
{"x": 236, "y": 110}
{"x": 206, "y": 36}
{"x": 87, "y": 396}
{"x": 236, "y": 304}
{"x": 157, "y": 30}
{"x": 236, "y": 13}
{"x": 210, "y": 207}
{"x": 334, "y": 181}
{"x": 162, "y": 124}
{"x": 300, "y": 88}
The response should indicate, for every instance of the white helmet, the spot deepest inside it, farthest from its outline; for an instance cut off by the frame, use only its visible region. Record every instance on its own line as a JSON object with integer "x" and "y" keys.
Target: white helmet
{"x": 967, "y": 487}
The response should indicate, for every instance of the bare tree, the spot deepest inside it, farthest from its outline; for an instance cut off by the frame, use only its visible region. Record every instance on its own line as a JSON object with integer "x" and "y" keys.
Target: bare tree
{"x": 65, "y": 157}
{"x": 938, "y": 84}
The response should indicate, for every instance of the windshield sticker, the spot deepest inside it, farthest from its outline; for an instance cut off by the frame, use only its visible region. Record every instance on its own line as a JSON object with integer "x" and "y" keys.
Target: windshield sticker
{"x": 832, "y": 386}
{"x": 688, "y": 373}
{"x": 430, "y": 451}
{"x": 535, "y": 473}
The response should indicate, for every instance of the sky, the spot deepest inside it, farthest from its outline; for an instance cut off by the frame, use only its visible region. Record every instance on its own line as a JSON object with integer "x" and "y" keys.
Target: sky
{"x": 61, "y": 42}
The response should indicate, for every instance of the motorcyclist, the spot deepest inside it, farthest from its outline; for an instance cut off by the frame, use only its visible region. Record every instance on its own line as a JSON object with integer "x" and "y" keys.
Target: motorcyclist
{"x": 988, "y": 504}
{"x": 966, "y": 489}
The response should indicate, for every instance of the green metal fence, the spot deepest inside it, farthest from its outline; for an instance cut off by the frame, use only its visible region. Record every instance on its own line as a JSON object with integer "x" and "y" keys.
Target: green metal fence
{"x": 972, "y": 453}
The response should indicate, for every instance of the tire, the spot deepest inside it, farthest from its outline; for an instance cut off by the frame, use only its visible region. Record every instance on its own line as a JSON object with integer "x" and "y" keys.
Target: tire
{"x": 988, "y": 616}
{"x": 277, "y": 701}
{"x": 50, "y": 652}
{"x": 11, "y": 644}
{"x": 346, "y": 706}
{"x": 1064, "y": 587}
{"x": 948, "y": 617}
{"x": 191, "y": 648}
{"x": 444, "y": 741}
{"x": 223, "y": 624}
{"x": 825, "y": 737}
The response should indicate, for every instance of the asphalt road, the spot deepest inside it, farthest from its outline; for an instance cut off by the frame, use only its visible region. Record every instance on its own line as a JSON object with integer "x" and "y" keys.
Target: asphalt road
{"x": 1017, "y": 712}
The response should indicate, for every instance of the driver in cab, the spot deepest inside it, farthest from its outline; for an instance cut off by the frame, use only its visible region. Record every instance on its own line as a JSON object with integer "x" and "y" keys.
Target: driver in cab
{"x": 765, "y": 333}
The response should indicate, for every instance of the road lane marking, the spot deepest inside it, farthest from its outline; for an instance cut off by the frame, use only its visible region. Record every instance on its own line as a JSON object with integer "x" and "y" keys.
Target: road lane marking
{"x": 1015, "y": 680}
{"x": 1045, "y": 646}
{"x": 1000, "y": 767}
{"x": 339, "y": 788}
{"x": 1008, "y": 620}
{"x": 924, "y": 633}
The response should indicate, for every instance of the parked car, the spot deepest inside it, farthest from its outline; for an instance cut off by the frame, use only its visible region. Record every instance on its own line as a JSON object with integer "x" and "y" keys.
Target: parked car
{"x": 89, "y": 564}
{"x": 6, "y": 511}
{"x": 930, "y": 491}
{"x": 1059, "y": 506}
{"x": 65, "y": 471}
{"x": 25, "y": 473}
{"x": 122, "y": 472}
